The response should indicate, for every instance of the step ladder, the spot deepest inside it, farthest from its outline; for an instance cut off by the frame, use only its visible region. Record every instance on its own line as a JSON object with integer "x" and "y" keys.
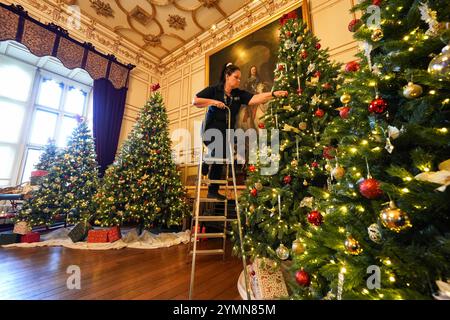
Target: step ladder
{"x": 197, "y": 218}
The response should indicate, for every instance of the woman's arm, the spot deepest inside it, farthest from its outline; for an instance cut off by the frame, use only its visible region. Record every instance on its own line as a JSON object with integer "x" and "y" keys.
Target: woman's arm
{"x": 266, "y": 96}
{"x": 203, "y": 103}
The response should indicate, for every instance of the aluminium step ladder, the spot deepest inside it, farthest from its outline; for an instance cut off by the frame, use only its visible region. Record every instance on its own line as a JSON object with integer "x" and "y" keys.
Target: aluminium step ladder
{"x": 197, "y": 218}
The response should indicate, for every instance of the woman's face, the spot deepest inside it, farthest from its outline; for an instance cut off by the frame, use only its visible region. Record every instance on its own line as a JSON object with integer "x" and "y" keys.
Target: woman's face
{"x": 234, "y": 80}
{"x": 253, "y": 71}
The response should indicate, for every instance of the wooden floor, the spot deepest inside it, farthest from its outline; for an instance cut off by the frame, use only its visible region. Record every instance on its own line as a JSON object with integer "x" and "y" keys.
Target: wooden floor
{"x": 161, "y": 274}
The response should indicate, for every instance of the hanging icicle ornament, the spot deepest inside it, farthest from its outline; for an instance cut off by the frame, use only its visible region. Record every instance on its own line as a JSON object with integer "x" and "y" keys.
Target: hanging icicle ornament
{"x": 429, "y": 16}
{"x": 374, "y": 233}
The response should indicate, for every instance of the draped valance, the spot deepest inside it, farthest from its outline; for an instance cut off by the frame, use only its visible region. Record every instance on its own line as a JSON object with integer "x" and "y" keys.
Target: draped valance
{"x": 52, "y": 40}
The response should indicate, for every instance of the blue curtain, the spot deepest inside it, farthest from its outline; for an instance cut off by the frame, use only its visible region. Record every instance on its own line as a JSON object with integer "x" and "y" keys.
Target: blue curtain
{"x": 109, "y": 106}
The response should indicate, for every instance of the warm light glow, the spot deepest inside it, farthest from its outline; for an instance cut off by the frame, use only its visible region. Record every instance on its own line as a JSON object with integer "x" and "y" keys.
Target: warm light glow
{"x": 343, "y": 270}
{"x": 432, "y": 91}
{"x": 443, "y": 130}
{"x": 341, "y": 230}
{"x": 405, "y": 190}
{"x": 391, "y": 279}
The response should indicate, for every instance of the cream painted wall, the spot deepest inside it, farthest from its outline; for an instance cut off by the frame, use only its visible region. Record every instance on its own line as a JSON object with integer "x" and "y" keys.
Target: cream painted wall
{"x": 329, "y": 20}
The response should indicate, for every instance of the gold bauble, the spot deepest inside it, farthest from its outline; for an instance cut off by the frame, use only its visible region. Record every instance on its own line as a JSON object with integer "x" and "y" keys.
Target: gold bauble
{"x": 394, "y": 218}
{"x": 338, "y": 172}
{"x": 346, "y": 98}
{"x": 302, "y": 125}
{"x": 158, "y": 209}
{"x": 282, "y": 252}
{"x": 327, "y": 167}
{"x": 440, "y": 65}
{"x": 251, "y": 208}
{"x": 377, "y": 35}
{"x": 294, "y": 163}
{"x": 258, "y": 186}
{"x": 411, "y": 91}
{"x": 298, "y": 247}
{"x": 299, "y": 39}
{"x": 352, "y": 246}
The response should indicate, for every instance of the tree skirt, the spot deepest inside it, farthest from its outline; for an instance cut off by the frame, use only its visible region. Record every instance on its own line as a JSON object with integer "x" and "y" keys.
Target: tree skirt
{"x": 130, "y": 239}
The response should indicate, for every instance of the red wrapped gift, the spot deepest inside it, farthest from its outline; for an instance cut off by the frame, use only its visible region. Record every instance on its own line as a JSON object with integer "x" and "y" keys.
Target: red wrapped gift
{"x": 39, "y": 173}
{"x": 97, "y": 236}
{"x": 30, "y": 237}
{"x": 114, "y": 234}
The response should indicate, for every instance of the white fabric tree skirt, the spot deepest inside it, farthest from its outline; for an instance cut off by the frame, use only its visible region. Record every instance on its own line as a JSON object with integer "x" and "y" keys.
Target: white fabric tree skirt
{"x": 130, "y": 239}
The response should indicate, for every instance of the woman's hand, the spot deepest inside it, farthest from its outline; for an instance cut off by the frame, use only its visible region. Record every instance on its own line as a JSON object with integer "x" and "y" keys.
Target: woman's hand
{"x": 280, "y": 94}
{"x": 219, "y": 104}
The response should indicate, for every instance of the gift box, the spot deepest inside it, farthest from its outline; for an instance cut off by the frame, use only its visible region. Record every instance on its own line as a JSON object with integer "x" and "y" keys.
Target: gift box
{"x": 79, "y": 232}
{"x": 97, "y": 236}
{"x": 37, "y": 177}
{"x": 9, "y": 238}
{"x": 114, "y": 234}
{"x": 30, "y": 237}
{"x": 22, "y": 228}
{"x": 267, "y": 281}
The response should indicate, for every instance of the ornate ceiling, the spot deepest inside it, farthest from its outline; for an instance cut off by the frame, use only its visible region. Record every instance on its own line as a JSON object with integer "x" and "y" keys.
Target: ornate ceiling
{"x": 158, "y": 26}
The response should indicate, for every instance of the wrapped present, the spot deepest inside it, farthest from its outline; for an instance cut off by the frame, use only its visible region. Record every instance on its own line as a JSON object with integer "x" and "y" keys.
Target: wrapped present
{"x": 79, "y": 232}
{"x": 22, "y": 228}
{"x": 97, "y": 236}
{"x": 9, "y": 238}
{"x": 114, "y": 234}
{"x": 31, "y": 237}
{"x": 37, "y": 176}
{"x": 267, "y": 281}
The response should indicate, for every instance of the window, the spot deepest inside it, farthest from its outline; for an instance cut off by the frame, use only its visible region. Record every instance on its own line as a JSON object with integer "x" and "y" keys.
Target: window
{"x": 35, "y": 105}
{"x": 58, "y": 104}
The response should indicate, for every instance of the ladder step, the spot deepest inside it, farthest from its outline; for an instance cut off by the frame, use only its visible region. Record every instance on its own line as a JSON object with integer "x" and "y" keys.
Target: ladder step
{"x": 212, "y": 218}
{"x": 207, "y": 181}
{"x": 216, "y": 160}
{"x": 209, "y": 252}
{"x": 211, "y": 235}
{"x": 212, "y": 200}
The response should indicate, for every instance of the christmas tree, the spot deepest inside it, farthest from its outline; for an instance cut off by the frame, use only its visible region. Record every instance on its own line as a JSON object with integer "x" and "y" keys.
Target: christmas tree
{"x": 68, "y": 189}
{"x": 386, "y": 227}
{"x": 143, "y": 185}
{"x": 47, "y": 158}
{"x": 275, "y": 206}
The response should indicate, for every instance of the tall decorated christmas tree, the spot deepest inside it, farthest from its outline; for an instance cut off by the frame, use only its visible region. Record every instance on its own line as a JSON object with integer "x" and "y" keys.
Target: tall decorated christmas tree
{"x": 386, "y": 227}
{"x": 67, "y": 191}
{"x": 143, "y": 185}
{"x": 275, "y": 204}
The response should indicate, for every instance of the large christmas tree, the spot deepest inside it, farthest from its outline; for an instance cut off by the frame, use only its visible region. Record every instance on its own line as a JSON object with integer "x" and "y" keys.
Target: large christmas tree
{"x": 386, "y": 227}
{"x": 67, "y": 191}
{"x": 143, "y": 185}
{"x": 275, "y": 205}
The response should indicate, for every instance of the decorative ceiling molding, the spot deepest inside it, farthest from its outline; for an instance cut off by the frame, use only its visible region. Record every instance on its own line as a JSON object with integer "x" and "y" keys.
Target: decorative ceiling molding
{"x": 102, "y": 8}
{"x": 141, "y": 16}
{"x": 177, "y": 22}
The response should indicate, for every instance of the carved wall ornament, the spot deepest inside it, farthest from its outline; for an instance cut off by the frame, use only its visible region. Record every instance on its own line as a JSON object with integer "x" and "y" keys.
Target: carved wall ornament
{"x": 209, "y": 3}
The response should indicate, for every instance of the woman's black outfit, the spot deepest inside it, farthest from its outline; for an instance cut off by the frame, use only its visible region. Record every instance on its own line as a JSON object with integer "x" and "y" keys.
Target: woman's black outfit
{"x": 217, "y": 118}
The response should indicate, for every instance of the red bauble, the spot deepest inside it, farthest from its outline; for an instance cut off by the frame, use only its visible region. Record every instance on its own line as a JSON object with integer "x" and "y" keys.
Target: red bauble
{"x": 158, "y": 151}
{"x": 287, "y": 179}
{"x": 370, "y": 188}
{"x": 318, "y": 46}
{"x": 352, "y": 66}
{"x": 329, "y": 153}
{"x": 254, "y": 192}
{"x": 304, "y": 55}
{"x": 376, "y": 2}
{"x": 319, "y": 113}
{"x": 378, "y": 105}
{"x": 344, "y": 112}
{"x": 315, "y": 218}
{"x": 252, "y": 168}
{"x": 326, "y": 86}
{"x": 302, "y": 278}
{"x": 299, "y": 91}
{"x": 280, "y": 67}
{"x": 315, "y": 164}
{"x": 317, "y": 74}
{"x": 288, "y": 34}
{"x": 261, "y": 125}
{"x": 354, "y": 25}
